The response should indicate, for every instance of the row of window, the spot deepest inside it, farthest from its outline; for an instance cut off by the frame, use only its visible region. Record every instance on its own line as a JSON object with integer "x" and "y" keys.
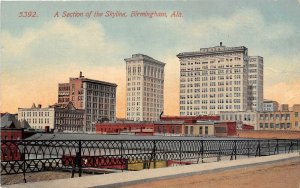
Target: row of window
{"x": 37, "y": 121}
{"x": 211, "y": 107}
{"x": 100, "y": 94}
{"x": 148, "y": 71}
{"x": 277, "y": 125}
{"x": 189, "y": 130}
{"x": 211, "y": 101}
{"x": 101, "y": 87}
{"x": 277, "y": 116}
{"x": 212, "y": 95}
{"x": 35, "y": 114}
{"x": 211, "y": 84}
{"x": 239, "y": 117}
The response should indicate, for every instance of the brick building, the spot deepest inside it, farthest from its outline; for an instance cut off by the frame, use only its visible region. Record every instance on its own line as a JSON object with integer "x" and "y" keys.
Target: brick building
{"x": 128, "y": 127}
{"x": 172, "y": 126}
{"x": 97, "y": 98}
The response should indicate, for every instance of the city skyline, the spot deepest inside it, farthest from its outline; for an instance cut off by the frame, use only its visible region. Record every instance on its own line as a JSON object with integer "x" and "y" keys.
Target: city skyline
{"x": 48, "y": 49}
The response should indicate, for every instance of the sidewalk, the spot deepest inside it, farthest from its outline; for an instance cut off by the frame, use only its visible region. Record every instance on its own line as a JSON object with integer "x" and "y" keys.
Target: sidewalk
{"x": 131, "y": 178}
{"x": 276, "y": 175}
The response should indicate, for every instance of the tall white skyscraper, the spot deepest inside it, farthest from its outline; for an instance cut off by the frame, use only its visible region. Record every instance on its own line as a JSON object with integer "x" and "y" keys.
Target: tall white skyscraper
{"x": 145, "y": 88}
{"x": 216, "y": 79}
{"x": 255, "y": 83}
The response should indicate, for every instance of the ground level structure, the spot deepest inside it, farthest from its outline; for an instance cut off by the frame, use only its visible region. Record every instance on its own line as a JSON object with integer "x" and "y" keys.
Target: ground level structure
{"x": 275, "y": 171}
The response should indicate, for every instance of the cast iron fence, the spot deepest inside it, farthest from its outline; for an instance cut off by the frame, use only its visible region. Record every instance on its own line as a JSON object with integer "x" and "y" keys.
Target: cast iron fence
{"x": 26, "y": 156}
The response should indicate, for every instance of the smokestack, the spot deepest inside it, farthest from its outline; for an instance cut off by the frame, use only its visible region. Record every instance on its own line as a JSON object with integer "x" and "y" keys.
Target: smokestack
{"x": 161, "y": 114}
{"x": 220, "y": 43}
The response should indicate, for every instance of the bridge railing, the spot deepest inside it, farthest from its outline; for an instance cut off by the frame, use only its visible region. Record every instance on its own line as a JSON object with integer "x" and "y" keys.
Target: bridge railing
{"x": 26, "y": 156}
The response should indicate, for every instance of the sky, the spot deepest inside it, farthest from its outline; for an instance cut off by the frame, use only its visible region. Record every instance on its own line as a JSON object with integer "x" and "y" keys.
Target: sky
{"x": 38, "y": 53}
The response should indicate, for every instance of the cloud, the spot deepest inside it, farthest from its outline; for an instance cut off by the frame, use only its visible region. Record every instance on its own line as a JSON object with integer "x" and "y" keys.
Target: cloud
{"x": 245, "y": 26}
{"x": 243, "y": 23}
{"x": 59, "y": 42}
{"x": 33, "y": 63}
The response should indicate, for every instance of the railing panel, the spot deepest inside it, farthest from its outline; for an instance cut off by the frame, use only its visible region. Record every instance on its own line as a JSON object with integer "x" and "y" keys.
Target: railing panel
{"x": 25, "y": 156}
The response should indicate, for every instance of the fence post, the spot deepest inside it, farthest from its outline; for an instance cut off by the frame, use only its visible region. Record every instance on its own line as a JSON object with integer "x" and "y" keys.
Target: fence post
{"x": 235, "y": 149}
{"x": 284, "y": 147}
{"x": 219, "y": 151}
{"x": 180, "y": 145}
{"x": 259, "y": 148}
{"x": 202, "y": 150}
{"x": 154, "y": 154}
{"x": 291, "y": 147}
{"x": 24, "y": 162}
{"x": 122, "y": 160}
{"x": 79, "y": 159}
{"x": 269, "y": 147}
{"x": 248, "y": 148}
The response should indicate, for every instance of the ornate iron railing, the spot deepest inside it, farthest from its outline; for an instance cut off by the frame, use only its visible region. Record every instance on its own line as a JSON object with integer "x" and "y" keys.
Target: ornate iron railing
{"x": 25, "y": 156}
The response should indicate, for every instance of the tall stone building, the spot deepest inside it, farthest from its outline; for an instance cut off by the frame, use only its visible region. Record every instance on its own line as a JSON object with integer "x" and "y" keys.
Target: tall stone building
{"x": 97, "y": 98}
{"x": 255, "y": 83}
{"x": 216, "y": 79}
{"x": 145, "y": 88}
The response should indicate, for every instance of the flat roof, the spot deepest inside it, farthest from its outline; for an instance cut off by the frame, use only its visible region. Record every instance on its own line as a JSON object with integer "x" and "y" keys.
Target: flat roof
{"x": 212, "y": 51}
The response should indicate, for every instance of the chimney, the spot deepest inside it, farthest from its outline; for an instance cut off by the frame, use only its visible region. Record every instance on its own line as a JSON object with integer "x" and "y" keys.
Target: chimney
{"x": 80, "y": 74}
{"x": 220, "y": 43}
{"x": 39, "y": 106}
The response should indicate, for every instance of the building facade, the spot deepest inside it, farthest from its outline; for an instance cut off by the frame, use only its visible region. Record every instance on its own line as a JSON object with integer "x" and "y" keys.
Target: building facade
{"x": 255, "y": 83}
{"x": 144, "y": 88}
{"x": 216, "y": 79}
{"x": 97, "y": 98}
{"x": 270, "y": 106}
{"x": 280, "y": 120}
{"x": 66, "y": 118}
{"x": 246, "y": 117}
{"x": 38, "y": 117}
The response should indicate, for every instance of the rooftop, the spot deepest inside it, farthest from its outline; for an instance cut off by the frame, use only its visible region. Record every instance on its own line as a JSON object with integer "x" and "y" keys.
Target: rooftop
{"x": 84, "y": 136}
{"x": 81, "y": 77}
{"x": 144, "y": 57}
{"x": 213, "y": 50}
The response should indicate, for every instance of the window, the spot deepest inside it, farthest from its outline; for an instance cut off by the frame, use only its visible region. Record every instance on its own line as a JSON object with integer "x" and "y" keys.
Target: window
{"x": 177, "y": 129}
{"x": 206, "y": 130}
{"x": 200, "y": 130}
{"x": 186, "y": 131}
{"x": 296, "y": 114}
{"x": 266, "y": 125}
{"x": 191, "y": 130}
